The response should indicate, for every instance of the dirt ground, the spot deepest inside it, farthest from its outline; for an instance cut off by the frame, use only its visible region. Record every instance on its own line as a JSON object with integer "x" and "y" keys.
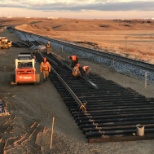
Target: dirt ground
{"x": 27, "y": 128}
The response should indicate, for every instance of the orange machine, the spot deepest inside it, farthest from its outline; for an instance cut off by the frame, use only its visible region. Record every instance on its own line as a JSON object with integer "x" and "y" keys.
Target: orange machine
{"x": 25, "y": 71}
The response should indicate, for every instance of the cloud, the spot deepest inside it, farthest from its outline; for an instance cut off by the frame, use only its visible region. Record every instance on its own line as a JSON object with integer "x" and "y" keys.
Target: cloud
{"x": 68, "y": 5}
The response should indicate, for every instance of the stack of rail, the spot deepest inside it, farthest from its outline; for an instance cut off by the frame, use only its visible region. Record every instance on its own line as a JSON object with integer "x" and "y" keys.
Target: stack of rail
{"x": 109, "y": 113}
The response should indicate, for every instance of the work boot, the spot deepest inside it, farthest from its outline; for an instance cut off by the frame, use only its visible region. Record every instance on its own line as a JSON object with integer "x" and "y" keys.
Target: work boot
{"x": 44, "y": 80}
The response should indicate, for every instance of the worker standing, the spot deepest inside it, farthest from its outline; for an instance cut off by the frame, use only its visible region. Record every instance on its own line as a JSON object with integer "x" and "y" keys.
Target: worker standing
{"x": 45, "y": 69}
{"x": 86, "y": 70}
{"x": 76, "y": 70}
{"x": 74, "y": 60}
{"x": 48, "y": 48}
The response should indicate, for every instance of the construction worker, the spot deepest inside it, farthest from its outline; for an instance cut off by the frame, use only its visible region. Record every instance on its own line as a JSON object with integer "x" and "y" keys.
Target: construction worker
{"x": 74, "y": 60}
{"x": 45, "y": 69}
{"x": 48, "y": 48}
{"x": 34, "y": 55}
{"x": 76, "y": 70}
{"x": 86, "y": 70}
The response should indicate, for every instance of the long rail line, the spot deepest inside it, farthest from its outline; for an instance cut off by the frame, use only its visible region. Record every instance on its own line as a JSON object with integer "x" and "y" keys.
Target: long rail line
{"x": 109, "y": 113}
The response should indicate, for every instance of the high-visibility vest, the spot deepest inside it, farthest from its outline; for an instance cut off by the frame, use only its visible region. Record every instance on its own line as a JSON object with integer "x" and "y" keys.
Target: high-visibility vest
{"x": 45, "y": 66}
{"x": 74, "y": 58}
{"x": 75, "y": 71}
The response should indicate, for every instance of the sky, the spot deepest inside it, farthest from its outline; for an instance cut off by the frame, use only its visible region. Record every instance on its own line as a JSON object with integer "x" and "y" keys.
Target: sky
{"x": 83, "y": 9}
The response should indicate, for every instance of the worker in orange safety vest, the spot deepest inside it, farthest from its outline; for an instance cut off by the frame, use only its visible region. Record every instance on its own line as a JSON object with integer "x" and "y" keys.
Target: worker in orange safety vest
{"x": 76, "y": 70}
{"x": 86, "y": 70}
{"x": 45, "y": 69}
{"x": 74, "y": 60}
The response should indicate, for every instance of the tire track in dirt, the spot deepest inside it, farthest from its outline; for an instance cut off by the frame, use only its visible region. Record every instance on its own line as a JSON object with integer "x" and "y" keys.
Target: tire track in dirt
{"x": 25, "y": 142}
{"x": 6, "y": 128}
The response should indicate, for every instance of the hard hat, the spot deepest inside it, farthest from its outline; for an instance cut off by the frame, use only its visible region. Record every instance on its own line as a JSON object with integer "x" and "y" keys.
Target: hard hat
{"x": 48, "y": 42}
{"x": 44, "y": 58}
{"x": 78, "y": 64}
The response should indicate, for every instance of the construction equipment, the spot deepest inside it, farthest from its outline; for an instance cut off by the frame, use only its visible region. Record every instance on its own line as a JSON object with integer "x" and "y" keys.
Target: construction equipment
{"x": 25, "y": 71}
{"x": 4, "y": 43}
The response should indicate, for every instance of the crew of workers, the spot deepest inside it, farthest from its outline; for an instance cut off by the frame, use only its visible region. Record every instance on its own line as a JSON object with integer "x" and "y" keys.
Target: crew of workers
{"x": 78, "y": 70}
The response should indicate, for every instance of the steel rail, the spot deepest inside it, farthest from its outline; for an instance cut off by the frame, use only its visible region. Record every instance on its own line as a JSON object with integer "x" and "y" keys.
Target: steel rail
{"x": 80, "y": 104}
{"x": 125, "y": 115}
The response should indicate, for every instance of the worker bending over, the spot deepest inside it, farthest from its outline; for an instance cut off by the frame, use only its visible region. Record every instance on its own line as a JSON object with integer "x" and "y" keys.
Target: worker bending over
{"x": 48, "y": 48}
{"x": 74, "y": 60}
{"x": 85, "y": 70}
{"x": 76, "y": 70}
{"x": 45, "y": 69}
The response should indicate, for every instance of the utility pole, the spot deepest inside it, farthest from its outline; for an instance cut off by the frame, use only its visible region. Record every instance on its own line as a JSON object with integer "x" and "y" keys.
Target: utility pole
{"x": 125, "y": 42}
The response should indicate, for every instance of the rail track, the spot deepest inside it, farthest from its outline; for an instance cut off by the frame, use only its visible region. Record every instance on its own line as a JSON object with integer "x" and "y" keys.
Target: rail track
{"x": 109, "y": 112}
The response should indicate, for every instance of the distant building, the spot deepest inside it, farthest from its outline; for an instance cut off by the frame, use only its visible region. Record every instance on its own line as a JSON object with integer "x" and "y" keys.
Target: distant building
{"x": 52, "y": 18}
